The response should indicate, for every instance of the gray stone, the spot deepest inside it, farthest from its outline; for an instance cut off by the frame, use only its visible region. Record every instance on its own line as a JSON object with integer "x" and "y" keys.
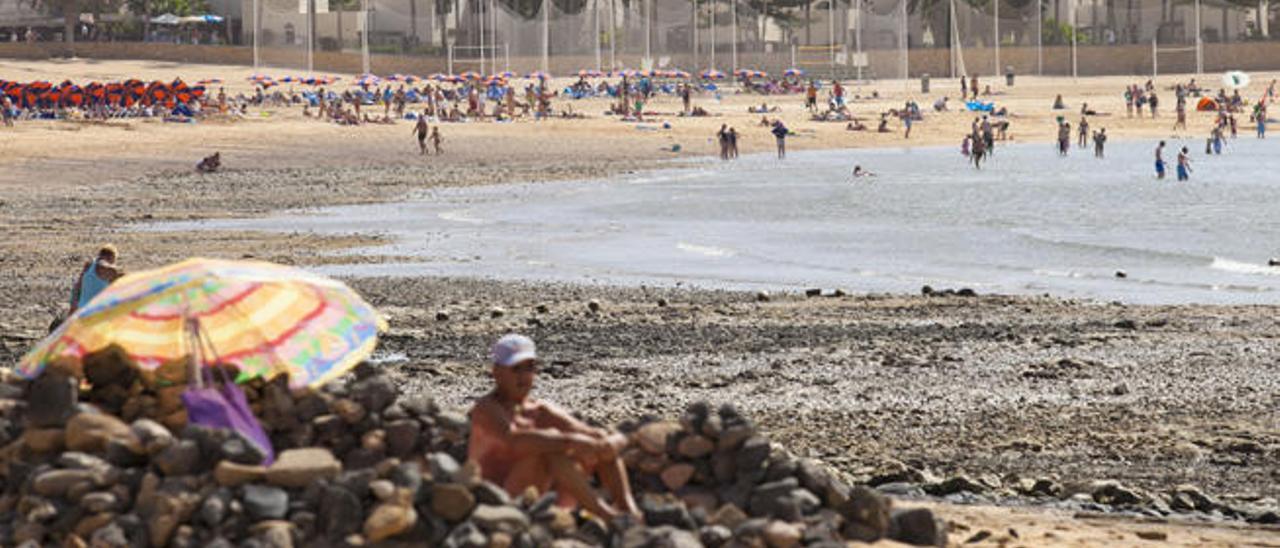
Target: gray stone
{"x": 1113, "y": 493}
{"x": 918, "y": 526}
{"x": 264, "y": 502}
{"x": 752, "y": 455}
{"x": 402, "y": 437}
{"x": 443, "y": 466}
{"x": 658, "y": 514}
{"x": 374, "y": 393}
{"x": 82, "y": 461}
{"x": 508, "y": 519}
{"x": 466, "y": 535}
{"x": 153, "y": 435}
{"x": 99, "y": 502}
{"x": 714, "y": 536}
{"x": 180, "y": 459}
{"x": 213, "y": 510}
{"x": 866, "y": 515}
{"x": 957, "y": 484}
{"x": 489, "y": 493}
{"x": 55, "y": 483}
{"x": 357, "y": 481}
{"x": 51, "y": 400}
{"x": 239, "y": 450}
{"x": 340, "y": 513}
{"x": 768, "y": 498}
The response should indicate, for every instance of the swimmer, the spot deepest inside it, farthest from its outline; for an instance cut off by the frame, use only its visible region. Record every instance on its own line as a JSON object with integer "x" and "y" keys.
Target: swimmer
{"x": 859, "y": 172}
{"x": 1184, "y": 165}
{"x": 1160, "y": 160}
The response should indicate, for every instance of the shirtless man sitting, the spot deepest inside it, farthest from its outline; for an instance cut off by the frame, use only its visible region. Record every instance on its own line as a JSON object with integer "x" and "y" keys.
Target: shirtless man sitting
{"x": 521, "y": 442}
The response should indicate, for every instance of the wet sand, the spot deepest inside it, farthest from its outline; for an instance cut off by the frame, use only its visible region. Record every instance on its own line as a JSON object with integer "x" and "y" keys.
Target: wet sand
{"x": 992, "y": 387}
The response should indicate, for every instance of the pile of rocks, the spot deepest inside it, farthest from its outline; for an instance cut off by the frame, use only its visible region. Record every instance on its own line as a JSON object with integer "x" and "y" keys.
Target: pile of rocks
{"x": 357, "y": 464}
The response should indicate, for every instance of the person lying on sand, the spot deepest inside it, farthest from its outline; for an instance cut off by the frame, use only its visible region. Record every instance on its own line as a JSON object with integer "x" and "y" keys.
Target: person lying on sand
{"x": 855, "y": 125}
{"x": 210, "y": 164}
{"x": 521, "y": 442}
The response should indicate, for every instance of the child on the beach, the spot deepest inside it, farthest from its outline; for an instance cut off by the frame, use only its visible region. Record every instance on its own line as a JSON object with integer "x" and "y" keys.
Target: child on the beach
{"x": 436, "y": 139}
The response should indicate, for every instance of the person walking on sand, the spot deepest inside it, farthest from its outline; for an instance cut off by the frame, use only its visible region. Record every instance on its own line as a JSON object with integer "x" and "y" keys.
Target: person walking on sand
{"x": 1099, "y": 143}
{"x": 1181, "y": 122}
{"x": 520, "y": 442}
{"x": 722, "y": 137}
{"x": 1261, "y": 118}
{"x": 436, "y": 139}
{"x": 979, "y": 151}
{"x": 1160, "y": 161}
{"x": 1184, "y": 165}
{"x": 421, "y": 129}
{"x": 780, "y": 133}
{"x": 733, "y": 143}
{"x": 1064, "y": 138}
{"x": 95, "y": 277}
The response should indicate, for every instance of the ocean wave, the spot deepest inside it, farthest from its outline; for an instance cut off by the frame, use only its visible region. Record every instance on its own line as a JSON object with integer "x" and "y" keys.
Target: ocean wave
{"x": 1228, "y": 265}
{"x": 708, "y": 251}
{"x": 1129, "y": 252}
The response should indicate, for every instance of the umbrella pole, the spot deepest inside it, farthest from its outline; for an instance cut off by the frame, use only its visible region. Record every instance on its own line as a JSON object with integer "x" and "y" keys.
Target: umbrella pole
{"x": 191, "y": 331}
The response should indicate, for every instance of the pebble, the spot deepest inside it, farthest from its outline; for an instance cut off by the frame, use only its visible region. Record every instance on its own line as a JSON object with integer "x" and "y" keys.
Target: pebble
{"x": 230, "y": 474}
{"x": 302, "y": 467}
{"x": 452, "y": 501}
{"x": 388, "y": 520}
{"x": 265, "y": 502}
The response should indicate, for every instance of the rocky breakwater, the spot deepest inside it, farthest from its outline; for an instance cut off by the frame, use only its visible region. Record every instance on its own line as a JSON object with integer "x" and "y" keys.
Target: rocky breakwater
{"x": 112, "y": 463}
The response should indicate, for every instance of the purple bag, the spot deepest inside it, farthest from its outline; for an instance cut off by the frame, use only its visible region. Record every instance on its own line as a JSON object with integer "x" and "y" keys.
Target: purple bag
{"x": 224, "y": 406}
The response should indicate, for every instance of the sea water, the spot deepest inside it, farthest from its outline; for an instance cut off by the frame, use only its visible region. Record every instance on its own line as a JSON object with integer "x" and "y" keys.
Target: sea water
{"x": 1028, "y": 222}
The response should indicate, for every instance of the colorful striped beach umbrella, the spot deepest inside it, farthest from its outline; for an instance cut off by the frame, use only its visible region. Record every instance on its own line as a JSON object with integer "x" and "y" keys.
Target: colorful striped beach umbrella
{"x": 793, "y": 73}
{"x": 264, "y": 319}
{"x": 537, "y": 75}
{"x": 712, "y": 75}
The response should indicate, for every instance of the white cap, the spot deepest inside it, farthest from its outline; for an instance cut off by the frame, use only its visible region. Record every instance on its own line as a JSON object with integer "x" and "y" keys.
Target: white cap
{"x": 513, "y": 349}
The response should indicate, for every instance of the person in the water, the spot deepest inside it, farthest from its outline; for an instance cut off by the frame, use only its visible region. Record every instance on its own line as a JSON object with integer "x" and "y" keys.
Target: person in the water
{"x": 1160, "y": 160}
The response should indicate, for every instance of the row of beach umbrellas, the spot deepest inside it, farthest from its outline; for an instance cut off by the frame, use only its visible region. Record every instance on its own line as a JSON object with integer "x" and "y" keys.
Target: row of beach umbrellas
{"x": 369, "y": 80}
{"x": 44, "y": 94}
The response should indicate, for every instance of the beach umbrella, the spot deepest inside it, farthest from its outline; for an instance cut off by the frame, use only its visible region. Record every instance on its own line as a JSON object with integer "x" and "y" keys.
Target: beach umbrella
{"x": 537, "y": 75}
{"x": 208, "y": 81}
{"x": 1235, "y": 79}
{"x": 469, "y": 75}
{"x": 712, "y": 75}
{"x": 439, "y": 76}
{"x": 411, "y": 79}
{"x": 262, "y": 318}
{"x": 288, "y": 79}
{"x": 366, "y": 80}
{"x": 397, "y": 77}
{"x": 793, "y": 73}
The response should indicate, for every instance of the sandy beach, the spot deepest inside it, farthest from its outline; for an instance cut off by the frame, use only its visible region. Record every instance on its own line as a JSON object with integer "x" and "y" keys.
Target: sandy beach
{"x": 892, "y": 389}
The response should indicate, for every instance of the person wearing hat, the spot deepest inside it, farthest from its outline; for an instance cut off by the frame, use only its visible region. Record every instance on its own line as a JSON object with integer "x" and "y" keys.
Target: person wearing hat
{"x": 94, "y": 277}
{"x": 521, "y": 442}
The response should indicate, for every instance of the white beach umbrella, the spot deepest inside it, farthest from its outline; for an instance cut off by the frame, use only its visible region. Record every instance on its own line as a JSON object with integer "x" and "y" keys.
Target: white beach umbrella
{"x": 1235, "y": 79}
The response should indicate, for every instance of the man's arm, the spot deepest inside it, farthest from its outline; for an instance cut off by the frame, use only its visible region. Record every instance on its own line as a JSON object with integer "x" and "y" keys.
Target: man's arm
{"x": 527, "y": 440}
